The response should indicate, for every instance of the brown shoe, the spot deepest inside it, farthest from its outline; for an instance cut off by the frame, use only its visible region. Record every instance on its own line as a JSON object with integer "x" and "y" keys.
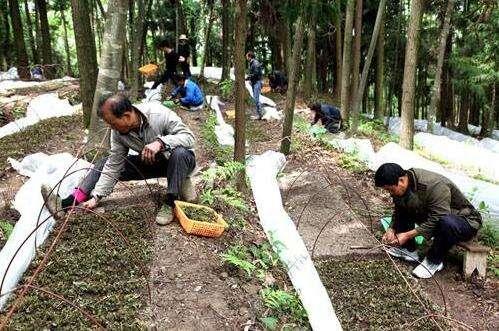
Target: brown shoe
{"x": 52, "y": 201}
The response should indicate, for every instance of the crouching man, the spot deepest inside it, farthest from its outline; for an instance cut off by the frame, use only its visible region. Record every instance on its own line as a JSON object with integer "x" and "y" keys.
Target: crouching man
{"x": 165, "y": 146}
{"x": 433, "y": 202}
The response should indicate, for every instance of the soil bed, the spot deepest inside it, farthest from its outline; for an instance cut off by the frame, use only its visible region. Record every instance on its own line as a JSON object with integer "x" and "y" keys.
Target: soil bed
{"x": 93, "y": 267}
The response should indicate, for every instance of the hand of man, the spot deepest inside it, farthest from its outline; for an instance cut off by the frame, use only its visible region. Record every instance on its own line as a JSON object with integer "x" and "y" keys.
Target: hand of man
{"x": 149, "y": 152}
{"x": 389, "y": 237}
{"x": 90, "y": 204}
{"x": 181, "y": 59}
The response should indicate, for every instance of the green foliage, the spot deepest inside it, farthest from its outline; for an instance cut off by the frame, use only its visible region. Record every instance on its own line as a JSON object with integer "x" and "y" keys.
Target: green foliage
{"x": 222, "y": 154}
{"x": 227, "y": 88}
{"x": 301, "y": 124}
{"x": 227, "y": 172}
{"x": 284, "y": 303}
{"x": 6, "y": 228}
{"x": 350, "y": 161}
{"x": 238, "y": 257}
{"x": 269, "y": 322}
{"x": 257, "y": 259}
{"x": 376, "y": 129}
{"x": 489, "y": 234}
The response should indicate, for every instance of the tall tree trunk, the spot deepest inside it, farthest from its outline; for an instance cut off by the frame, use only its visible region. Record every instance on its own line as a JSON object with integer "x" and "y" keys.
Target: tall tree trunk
{"x": 86, "y": 55}
{"x": 356, "y": 53}
{"x": 44, "y": 26}
{"x": 337, "y": 78}
{"x": 488, "y": 114}
{"x": 69, "y": 72}
{"x": 346, "y": 65}
{"x": 207, "y": 39}
{"x": 435, "y": 98}
{"x": 136, "y": 42}
{"x": 283, "y": 36}
{"x": 110, "y": 66}
{"x": 379, "y": 106}
{"x": 225, "y": 40}
{"x": 5, "y": 45}
{"x": 240, "y": 120}
{"x": 408, "y": 85}
{"x": 32, "y": 44}
{"x": 17, "y": 27}
{"x": 464, "y": 111}
{"x": 367, "y": 65}
{"x": 309, "y": 86}
{"x": 294, "y": 69}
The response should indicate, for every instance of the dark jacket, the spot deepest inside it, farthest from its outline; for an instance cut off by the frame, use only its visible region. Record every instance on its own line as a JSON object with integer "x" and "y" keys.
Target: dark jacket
{"x": 429, "y": 197}
{"x": 277, "y": 79}
{"x": 327, "y": 114}
{"x": 255, "y": 71}
{"x": 184, "y": 50}
{"x": 171, "y": 62}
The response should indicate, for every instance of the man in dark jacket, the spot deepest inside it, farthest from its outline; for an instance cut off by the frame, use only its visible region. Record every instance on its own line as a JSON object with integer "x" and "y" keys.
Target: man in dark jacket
{"x": 184, "y": 53}
{"x": 434, "y": 203}
{"x": 278, "y": 82}
{"x": 171, "y": 62}
{"x": 330, "y": 116}
{"x": 255, "y": 77}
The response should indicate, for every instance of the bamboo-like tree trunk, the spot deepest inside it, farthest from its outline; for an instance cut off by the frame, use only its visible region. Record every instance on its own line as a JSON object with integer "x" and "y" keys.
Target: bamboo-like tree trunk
{"x": 408, "y": 84}
{"x": 207, "y": 39}
{"x": 138, "y": 30}
{"x": 69, "y": 72}
{"x": 240, "y": 120}
{"x": 356, "y": 53}
{"x": 294, "y": 69}
{"x": 17, "y": 27}
{"x": 29, "y": 23}
{"x": 337, "y": 78}
{"x": 488, "y": 114}
{"x": 309, "y": 86}
{"x": 435, "y": 98}
{"x": 225, "y": 40}
{"x": 346, "y": 65}
{"x": 44, "y": 26}
{"x": 379, "y": 107}
{"x": 109, "y": 68}
{"x": 5, "y": 44}
{"x": 86, "y": 55}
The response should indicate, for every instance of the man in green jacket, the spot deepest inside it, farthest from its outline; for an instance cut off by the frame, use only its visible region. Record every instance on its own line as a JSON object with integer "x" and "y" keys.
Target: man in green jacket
{"x": 433, "y": 202}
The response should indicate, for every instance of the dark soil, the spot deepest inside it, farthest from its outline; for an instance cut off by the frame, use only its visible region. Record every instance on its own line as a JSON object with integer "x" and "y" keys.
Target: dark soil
{"x": 200, "y": 214}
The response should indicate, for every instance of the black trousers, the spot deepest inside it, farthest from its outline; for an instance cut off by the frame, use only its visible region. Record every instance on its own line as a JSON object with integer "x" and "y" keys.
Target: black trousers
{"x": 176, "y": 169}
{"x": 451, "y": 229}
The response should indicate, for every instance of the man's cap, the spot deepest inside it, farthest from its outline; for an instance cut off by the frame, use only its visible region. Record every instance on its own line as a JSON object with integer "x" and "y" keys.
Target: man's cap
{"x": 182, "y": 37}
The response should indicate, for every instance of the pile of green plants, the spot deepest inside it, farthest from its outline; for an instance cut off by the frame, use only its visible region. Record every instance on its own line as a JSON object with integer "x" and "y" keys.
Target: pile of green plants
{"x": 376, "y": 129}
{"x": 93, "y": 267}
{"x": 200, "y": 214}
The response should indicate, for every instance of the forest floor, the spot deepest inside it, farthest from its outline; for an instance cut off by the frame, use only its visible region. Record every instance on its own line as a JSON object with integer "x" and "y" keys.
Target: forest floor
{"x": 163, "y": 277}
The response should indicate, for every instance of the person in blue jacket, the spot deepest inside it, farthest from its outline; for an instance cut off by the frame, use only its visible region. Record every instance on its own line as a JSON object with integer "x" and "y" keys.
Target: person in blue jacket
{"x": 187, "y": 92}
{"x": 330, "y": 116}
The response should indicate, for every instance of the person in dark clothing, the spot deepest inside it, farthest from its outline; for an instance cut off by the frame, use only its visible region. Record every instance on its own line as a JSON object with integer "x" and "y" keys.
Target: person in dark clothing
{"x": 330, "y": 116}
{"x": 184, "y": 53}
{"x": 434, "y": 203}
{"x": 255, "y": 76}
{"x": 171, "y": 62}
{"x": 278, "y": 82}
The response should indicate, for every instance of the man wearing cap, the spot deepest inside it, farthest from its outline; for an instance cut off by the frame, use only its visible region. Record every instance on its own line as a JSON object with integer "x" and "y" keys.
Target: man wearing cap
{"x": 436, "y": 204}
{"x": 184, "y": 53}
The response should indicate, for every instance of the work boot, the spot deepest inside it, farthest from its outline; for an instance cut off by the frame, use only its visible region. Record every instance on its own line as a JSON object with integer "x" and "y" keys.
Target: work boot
{"x": 427, "y": 269}
{"x": 52, "y": 201}
{"x": 188, "y": 192}
{"x": 165, "y": 215}
{"x": 403, "y": 253}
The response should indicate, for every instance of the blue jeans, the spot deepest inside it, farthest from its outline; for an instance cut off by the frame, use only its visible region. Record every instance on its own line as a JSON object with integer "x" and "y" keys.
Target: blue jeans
{"x": 257, "y": 88}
